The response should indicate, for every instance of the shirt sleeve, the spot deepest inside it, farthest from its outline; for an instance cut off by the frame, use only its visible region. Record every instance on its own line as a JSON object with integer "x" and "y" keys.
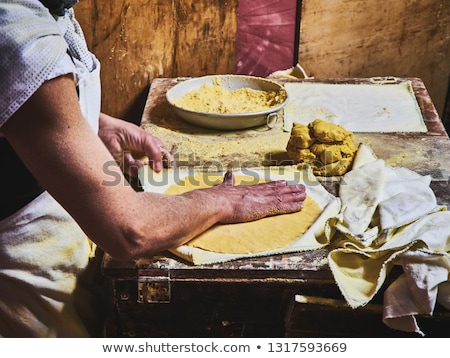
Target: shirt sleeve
{"x": 32, "y": 50}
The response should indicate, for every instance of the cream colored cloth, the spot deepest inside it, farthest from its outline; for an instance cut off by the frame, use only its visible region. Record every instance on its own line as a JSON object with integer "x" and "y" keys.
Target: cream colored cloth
{"x": 377, "y": 107}
{"x": 292, "y": 73}
{"x": 314, "y": 237}
{"x": 42, "y": 250}
{"x": 389, "y": 216}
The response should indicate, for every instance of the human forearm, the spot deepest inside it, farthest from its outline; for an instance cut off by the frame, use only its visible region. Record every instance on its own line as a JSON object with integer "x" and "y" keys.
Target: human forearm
{"x": 72, "y": 163}
{"x": 69, "y": 160}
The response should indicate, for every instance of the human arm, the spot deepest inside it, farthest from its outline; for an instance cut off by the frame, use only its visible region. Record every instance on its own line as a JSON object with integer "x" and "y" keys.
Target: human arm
{"x": 68, "y": 159}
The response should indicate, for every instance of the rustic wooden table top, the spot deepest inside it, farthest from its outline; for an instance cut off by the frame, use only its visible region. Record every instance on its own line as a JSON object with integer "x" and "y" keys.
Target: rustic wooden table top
{"x": 426, "y": 153}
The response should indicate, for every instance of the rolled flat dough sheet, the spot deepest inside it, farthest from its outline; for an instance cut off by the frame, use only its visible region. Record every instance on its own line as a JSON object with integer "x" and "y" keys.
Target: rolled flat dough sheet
{"x": 365, "y": 108}
{"x": 269, "y": 233}
{"x": 228, "y": 242}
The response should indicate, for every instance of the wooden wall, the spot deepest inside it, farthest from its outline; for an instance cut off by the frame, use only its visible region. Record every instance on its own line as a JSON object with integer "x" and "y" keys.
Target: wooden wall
{"x": 138, "y": 40}
{"x": 365, "y": 38}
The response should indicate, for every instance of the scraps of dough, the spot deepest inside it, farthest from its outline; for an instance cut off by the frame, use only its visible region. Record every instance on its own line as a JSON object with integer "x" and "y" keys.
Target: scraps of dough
{"x": 266, "y": 234}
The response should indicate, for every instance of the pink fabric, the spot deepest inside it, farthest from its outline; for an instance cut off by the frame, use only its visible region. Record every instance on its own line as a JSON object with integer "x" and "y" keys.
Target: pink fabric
{"x": 266, "y": 33}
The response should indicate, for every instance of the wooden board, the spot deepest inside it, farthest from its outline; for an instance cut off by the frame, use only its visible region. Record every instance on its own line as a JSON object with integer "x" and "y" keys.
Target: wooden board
{"x": 248, "y": 298}
{"x": 425, "y": 153}
{"x": 313, "y": 316}
{"x": 137, "y": 41}
{"x": 243, "y": 298}
{"x": 256, "y": 297}
{"x": 365, "y": 38}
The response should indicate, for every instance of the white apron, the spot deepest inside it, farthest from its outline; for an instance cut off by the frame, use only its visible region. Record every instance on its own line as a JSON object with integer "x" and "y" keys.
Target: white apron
{"x": 43, "y": 253}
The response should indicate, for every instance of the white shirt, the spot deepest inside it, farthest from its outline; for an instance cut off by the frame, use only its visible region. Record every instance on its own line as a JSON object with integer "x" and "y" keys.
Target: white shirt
{"x": 38, "y": 48}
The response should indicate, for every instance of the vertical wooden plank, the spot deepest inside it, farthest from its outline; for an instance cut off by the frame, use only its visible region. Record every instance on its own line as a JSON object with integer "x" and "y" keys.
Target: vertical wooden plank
{"x": 138, "y": 40}
{"x": 364, "y": 38}
{"x": 206, "y": 37}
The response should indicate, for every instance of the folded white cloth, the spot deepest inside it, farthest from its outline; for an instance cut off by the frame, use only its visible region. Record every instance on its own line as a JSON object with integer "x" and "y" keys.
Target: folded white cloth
{"x": 389, "y": 217}
{"x": 425, "y": 267}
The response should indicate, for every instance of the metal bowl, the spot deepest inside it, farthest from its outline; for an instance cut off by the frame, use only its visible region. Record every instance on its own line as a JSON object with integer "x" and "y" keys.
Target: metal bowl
{"x": 228, "y": 121}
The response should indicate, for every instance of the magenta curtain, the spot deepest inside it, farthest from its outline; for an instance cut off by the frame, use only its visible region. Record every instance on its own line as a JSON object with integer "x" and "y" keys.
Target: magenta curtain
{"x": 266, "y": 36}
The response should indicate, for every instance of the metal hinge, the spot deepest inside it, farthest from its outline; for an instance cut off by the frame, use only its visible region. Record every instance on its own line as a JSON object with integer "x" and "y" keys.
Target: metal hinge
{"x": 154, "y": 283}
{"x": 384, "y": 80}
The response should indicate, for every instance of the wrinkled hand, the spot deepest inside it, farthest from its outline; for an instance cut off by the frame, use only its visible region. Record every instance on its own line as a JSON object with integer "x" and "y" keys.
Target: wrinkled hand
{"x": 131, "y": 146}
{"x": 258, "y": 201}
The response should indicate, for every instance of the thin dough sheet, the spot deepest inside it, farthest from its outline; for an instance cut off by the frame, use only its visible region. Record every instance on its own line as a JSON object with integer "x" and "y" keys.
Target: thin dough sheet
{"x": 311, "y": 239}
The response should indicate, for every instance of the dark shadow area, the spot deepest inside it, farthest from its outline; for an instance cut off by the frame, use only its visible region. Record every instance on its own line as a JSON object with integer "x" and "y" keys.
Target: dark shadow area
{"x": 446, "y": 115}
{"x": 134, "y": 112}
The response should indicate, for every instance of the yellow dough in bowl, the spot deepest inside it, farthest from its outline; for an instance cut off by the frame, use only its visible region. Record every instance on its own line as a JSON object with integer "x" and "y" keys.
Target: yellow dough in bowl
{"x": 266, "y": 234}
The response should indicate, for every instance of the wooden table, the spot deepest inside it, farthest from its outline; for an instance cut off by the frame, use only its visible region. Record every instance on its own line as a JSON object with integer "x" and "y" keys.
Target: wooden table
{"x": 162, "y": 296}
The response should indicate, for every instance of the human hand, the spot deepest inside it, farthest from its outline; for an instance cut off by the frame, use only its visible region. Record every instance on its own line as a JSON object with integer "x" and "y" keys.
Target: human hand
{"x": 131, "y": 146}
{"x": 258, "y": 201}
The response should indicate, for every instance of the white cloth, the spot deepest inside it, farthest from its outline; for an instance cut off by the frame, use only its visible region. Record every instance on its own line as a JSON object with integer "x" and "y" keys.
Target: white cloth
{"x": 87, "y": 68}
{"x": 43, "y": 252}
{"x": 33, "y": 42}
{"x": 389, "y": 217}
{"x": 380, "y": 108}
{"x": 38, "y": 50}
